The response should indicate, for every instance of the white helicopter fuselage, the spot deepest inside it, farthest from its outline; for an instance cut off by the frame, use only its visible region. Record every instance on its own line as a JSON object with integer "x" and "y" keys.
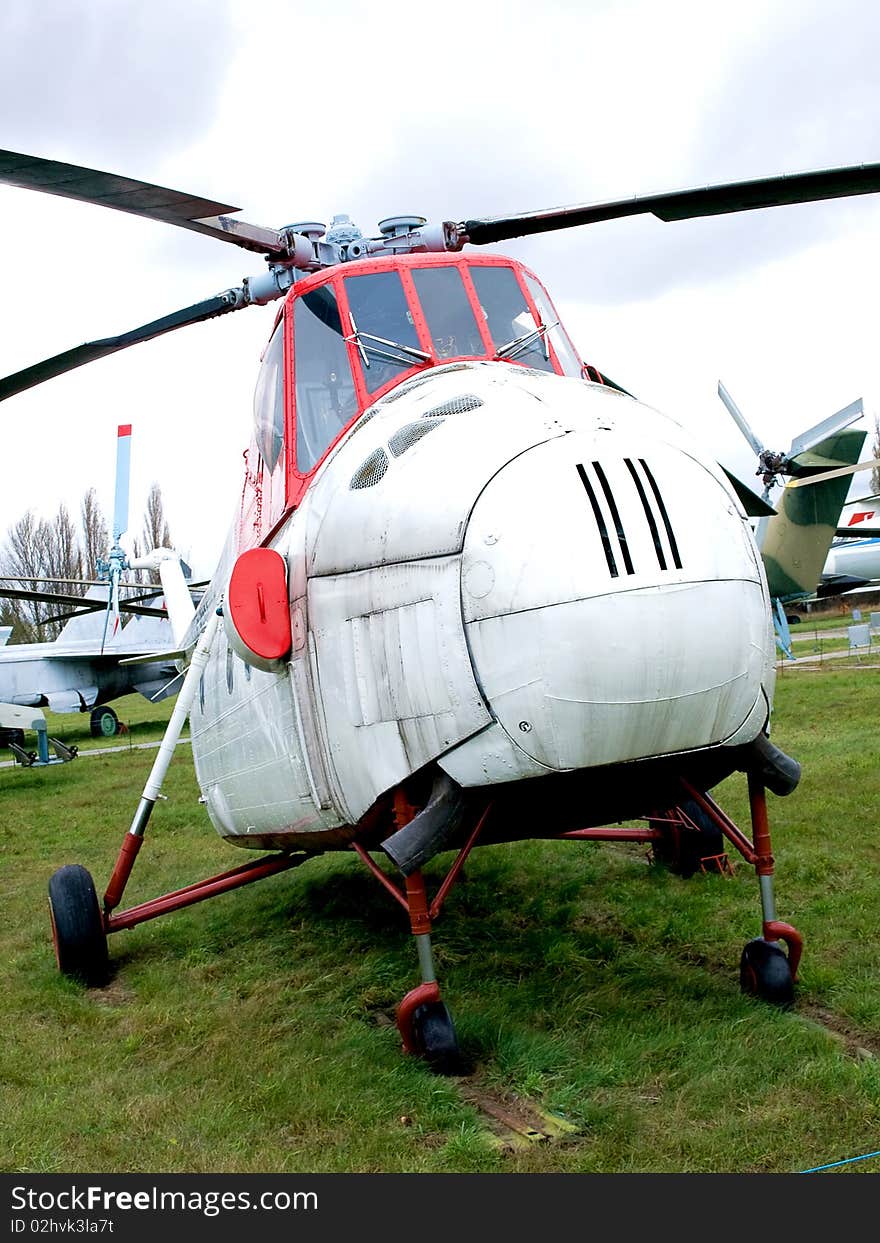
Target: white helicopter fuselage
{"x": 501, "y": 572}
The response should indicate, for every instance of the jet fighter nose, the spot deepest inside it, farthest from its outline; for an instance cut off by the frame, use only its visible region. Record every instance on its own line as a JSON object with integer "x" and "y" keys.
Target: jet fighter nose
{"x": 614, "y": 604}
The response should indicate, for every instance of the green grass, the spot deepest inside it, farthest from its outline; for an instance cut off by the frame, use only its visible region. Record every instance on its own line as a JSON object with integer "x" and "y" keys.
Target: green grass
{"x": 141, "y": 721}
{"x": 251, "y": 1033}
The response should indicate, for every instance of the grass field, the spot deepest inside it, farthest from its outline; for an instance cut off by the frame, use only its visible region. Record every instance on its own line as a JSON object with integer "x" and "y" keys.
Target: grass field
{"x": 254, "y": 1032}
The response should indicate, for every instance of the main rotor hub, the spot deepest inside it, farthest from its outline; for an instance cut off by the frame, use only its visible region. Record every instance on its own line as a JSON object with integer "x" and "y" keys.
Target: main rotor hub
{"x": 399, "y": 226}
{"x": 343, "y": 231}
{"x": 312, "y": 229}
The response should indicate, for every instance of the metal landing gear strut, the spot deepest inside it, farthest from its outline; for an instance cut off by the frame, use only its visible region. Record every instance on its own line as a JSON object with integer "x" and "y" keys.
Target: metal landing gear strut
{"x": 80, "y": 924}
{"x": 766, "y": 971}
{"x": 423, "y": 1019}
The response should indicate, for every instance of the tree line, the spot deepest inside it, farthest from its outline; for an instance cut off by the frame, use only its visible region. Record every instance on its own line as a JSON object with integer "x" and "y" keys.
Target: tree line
{"x": 39, "y": 550}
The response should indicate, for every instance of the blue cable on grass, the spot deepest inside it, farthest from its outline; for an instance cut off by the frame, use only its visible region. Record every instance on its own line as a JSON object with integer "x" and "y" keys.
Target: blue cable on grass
{"x": 833, "y": 1165}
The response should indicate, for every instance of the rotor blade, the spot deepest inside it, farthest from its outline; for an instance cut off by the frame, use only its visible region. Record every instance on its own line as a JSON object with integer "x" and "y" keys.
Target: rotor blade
{"x": 833, "y": 474}
{"x": 139, "y": 198}
{"x": 147, "y": 590}
{"x": 40, "y": 578}
{"x": 70, "y": 359}
{"x": 120, "y": 502}
{"x": 60, "y": 617}
{"x": 12, "y": 593}
{"x": 739, "y": 419}
{"x": 835, "y": 423}
{"x": 718, "y": 200}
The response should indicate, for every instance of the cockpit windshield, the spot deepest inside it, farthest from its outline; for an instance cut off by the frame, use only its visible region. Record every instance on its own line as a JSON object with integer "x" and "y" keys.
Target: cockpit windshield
{"x": 325, "y": 393}
{"x": 507, "y": 313}
{"x": 354, "y": 335}
{"x": 382, "y": 327}
{"x": 447, "y": 310}
{"x": 269, "y": 401}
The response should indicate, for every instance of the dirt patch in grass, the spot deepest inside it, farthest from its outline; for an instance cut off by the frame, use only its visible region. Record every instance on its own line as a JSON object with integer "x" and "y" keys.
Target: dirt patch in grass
{"x": 857, "y": 1044}
{"x": 515, "y": 1121}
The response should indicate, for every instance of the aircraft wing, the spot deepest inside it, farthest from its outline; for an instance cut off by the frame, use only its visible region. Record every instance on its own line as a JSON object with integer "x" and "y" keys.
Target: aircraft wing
{"x": 178, "y": 653}
{"x": 109, "y": 656}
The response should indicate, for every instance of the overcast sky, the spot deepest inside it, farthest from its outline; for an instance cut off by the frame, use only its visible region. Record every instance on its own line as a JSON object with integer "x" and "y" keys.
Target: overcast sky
{"x": 298, "y": 111}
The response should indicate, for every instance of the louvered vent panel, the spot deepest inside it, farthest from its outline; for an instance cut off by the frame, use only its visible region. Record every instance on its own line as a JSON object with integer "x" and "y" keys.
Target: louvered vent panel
{"x": 371, "y": 470}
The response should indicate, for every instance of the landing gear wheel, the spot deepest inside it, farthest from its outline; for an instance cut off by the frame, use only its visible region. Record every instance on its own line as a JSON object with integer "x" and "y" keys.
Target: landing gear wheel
{"x": 78, "y": 926}
{"x": 764, "y": 972}
{"x": 682, "y": 849}
{"x": 435, "y": 1039}
{"x": 104, "y": 722}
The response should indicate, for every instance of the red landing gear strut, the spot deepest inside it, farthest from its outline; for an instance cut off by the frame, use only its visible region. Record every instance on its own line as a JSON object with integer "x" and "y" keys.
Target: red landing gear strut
{"x": 80, "y": 924}
{"x": 423, "y": 1020}
{"x": 765, "y": 969}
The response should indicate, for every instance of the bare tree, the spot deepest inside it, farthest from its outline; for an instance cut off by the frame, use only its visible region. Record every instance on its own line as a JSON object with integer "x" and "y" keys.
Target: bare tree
{"x": 138, "y": 576}
{"x": 95, "y": 538}
{"x": 59, "y": 545}
{"x": 156, "y": 532}
{"x": 875, "y": 449}
{"x": 21, "y": 559}
{"x": 38, "y": 551}
{"x": 9, "y": 616}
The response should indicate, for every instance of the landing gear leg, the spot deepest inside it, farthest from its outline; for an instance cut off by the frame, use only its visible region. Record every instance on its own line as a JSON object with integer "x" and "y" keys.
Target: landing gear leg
{"x": 79, "y": 925}
{"x": 423, "y": 1020}
{"x": 765, "y": 970}
{"x": 152, "y": 790}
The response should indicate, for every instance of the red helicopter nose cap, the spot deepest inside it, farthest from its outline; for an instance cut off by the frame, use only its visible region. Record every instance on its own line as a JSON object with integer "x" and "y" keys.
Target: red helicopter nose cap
{"x": 257, "y": 603}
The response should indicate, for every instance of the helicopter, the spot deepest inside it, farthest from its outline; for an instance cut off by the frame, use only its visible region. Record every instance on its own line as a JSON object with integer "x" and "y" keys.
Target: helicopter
{"x": 466, "y": 597}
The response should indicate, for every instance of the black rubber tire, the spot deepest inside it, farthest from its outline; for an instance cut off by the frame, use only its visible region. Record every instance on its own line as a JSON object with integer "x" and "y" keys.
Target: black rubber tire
{"x": 435, "y": 1038}
{"x": 764, "y": 972}
{"x": 104, "y": 723}
{"x": 78, "y": 927}
{"x": 683, "y": 850}
{"x": 11, "y": 735}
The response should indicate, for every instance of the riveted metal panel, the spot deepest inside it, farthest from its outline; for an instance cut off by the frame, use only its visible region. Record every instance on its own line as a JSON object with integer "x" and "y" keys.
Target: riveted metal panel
{"x": 396, "y": 682}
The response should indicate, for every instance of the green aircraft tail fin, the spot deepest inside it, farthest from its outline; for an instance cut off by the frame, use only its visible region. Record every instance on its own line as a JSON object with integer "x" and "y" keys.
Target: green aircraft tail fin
{"x": 794, "y": 544}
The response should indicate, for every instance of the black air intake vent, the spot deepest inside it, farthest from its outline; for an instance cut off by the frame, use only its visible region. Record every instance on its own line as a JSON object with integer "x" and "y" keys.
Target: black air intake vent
{"x": 411, "y": 433}
{"x": 600, "y": 522}
{"x": 606, "y": 507}
{"x": 370, "y": 471}
{"x": 615, "y": 517}
{"x": 455, "y": 405}
{"x": 654, "y": 492}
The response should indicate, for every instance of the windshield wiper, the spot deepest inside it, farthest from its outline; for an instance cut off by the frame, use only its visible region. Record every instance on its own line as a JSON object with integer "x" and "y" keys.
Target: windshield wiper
{"x": 518, "y": 344}
{"x": 407, "y": 351}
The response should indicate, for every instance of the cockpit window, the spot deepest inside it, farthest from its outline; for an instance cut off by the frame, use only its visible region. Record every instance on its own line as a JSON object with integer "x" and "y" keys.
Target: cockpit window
{"x": 565, "y": 351}
{"x": 445, "y": 305}
{"x": 325, "y": 394}
{"x": 507, "y": 314}
{"x": 269, "y": 401}
{"x": 382, "y": 327}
